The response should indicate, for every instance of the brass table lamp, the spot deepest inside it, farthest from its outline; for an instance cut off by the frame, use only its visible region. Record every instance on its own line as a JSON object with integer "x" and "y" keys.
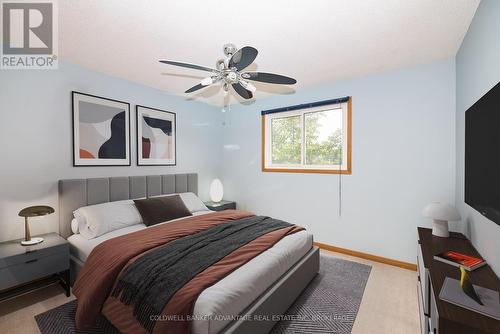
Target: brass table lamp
{"x": 33, "y": 211}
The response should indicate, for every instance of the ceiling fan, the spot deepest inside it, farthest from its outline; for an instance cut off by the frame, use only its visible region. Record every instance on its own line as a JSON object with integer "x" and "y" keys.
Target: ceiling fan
{"x": 228, "y": 71}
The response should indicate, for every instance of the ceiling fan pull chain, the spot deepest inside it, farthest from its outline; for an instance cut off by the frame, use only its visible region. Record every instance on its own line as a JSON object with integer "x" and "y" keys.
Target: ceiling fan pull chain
{"x": 340, "y": 194}
{"x": 340, "y": 169}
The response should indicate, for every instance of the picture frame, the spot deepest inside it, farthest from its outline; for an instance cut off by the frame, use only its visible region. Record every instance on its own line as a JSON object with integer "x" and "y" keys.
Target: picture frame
{"x": 156, "y": 137}
{"x": 101, "y": 131}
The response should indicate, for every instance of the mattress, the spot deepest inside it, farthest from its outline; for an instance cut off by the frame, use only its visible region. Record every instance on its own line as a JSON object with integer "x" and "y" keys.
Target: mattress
{"x": 219, "y": 304}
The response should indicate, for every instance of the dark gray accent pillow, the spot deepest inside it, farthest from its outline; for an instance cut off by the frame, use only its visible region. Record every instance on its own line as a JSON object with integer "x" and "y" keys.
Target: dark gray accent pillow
{"x": 161, "y": 209}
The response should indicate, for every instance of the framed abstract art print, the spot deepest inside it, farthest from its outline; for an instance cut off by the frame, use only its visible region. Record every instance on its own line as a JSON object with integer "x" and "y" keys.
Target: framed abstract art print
{"x": 101, "y": 131}
{"x": 156, "y": 137}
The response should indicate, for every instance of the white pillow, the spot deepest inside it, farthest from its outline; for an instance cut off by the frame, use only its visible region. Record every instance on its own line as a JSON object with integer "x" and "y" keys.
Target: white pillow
{"x": 96, "y": 220}
{"x": 74, "y": 226}
{"x": 193, "y": 202}
{"x": 80, "y": 221}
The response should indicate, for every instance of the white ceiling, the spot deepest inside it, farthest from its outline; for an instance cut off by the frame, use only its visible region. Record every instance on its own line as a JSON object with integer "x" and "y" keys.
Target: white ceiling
{"x": 315, "y": 42}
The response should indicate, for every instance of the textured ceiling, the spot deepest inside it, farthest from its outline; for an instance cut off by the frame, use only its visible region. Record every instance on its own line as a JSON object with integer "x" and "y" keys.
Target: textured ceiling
{"x": 315, "y": 42}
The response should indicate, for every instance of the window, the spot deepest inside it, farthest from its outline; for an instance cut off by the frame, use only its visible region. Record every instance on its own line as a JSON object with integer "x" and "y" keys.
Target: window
{"x": 308, "y": 139}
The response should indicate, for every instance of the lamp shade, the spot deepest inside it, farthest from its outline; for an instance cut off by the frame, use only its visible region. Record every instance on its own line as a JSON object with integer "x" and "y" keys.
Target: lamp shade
{"x": 441, "y": 211}
{"x": 216, "y": 190}
{"x": 33, "y": 211}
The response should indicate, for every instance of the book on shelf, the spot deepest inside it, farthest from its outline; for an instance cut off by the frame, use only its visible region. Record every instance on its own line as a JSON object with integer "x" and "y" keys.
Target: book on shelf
{"x": 458, "y": 259}
{"x": 453, "y": 293}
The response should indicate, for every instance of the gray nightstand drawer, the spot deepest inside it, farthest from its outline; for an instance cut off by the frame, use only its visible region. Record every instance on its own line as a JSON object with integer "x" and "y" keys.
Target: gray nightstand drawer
{"x": 33, "y": 268}
{"x": 13, "y": 253}
{"x": 33, "y": 255}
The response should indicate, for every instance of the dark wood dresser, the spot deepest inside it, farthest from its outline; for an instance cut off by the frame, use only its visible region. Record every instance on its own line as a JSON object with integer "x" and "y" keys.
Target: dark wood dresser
{"x": 438, "y": 316}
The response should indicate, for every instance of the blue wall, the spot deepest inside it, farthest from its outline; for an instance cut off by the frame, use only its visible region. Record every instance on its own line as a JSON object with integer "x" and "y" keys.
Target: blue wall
{"x": 36, "y": 137}
{"x": 403, "y": 158}
{"x": 477, "y": 71}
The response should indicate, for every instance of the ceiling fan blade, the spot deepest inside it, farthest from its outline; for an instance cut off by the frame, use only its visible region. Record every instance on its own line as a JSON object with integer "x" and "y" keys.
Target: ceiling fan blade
{"x": 193, "y": 66}
{"x": 195, "y": 88}
{"x": 269, "y": 78}
{"x": 246, "y": 94}
{"x": 243, "y": 57}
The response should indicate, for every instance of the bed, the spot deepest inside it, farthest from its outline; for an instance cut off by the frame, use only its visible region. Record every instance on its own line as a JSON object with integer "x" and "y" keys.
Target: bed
{"x": 263, "y": 287}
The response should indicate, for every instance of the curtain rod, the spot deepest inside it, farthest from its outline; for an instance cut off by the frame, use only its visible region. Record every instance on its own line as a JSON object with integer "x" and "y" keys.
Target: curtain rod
{"x": 306, "y": 105}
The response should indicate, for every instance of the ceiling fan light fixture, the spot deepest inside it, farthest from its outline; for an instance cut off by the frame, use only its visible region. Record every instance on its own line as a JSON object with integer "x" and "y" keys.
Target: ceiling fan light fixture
{"x": 207, "y": 81}
{"x": 229, "y": 49}
{"x": 247, "y": 85}
{"x": 232, "y": 76}
{"x": 221, "y": 64}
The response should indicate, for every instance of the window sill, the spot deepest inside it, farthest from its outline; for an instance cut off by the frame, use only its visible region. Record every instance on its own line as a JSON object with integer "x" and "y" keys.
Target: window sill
{"x": 306, "y": 171}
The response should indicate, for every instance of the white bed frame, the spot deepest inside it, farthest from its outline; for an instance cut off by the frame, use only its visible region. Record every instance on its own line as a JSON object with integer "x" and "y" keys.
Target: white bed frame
{"x": 259, "y": 317}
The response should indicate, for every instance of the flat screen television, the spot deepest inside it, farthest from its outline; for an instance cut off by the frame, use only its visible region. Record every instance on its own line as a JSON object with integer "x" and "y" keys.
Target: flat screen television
{"x": 482, "y": 155}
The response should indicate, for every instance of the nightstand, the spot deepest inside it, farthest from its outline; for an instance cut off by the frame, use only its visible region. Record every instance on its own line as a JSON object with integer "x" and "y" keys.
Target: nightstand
{"x": 27, "y": 268}
{"x": 220, "y": 206}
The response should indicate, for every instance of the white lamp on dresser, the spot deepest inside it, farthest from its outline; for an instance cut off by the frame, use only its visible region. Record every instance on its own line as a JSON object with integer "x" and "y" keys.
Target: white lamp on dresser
{"x": 441, "y": 214}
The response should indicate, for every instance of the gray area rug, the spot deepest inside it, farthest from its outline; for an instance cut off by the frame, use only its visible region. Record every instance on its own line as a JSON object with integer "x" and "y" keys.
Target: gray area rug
{"x": 328, "y": 305}
{"x": 331, "y": 301}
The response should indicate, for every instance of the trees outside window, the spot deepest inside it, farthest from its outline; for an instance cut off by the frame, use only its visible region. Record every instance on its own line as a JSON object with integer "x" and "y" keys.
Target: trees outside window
{"x": 313, "y": 140}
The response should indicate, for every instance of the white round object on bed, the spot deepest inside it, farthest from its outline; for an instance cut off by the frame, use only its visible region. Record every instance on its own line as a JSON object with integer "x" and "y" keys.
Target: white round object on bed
{"x": 216, "y": 191}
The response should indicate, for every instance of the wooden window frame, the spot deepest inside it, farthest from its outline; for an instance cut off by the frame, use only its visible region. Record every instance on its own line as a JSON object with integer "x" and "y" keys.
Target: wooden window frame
{"x": 348, "y": 169}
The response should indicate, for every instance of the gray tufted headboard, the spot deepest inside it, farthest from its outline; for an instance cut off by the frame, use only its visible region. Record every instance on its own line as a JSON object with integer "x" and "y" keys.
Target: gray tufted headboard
{"x": 76, "y": 193}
